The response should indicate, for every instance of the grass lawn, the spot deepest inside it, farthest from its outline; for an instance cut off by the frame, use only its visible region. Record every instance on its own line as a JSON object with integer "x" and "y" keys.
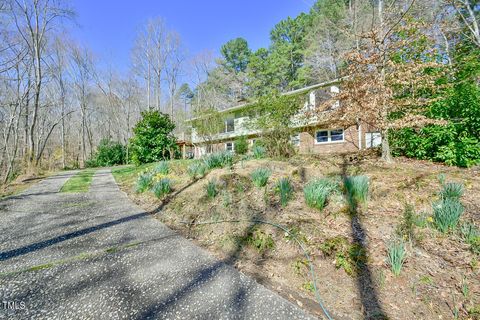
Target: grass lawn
{"x": 128, "y": 174}
{"x": 79, "y": 182}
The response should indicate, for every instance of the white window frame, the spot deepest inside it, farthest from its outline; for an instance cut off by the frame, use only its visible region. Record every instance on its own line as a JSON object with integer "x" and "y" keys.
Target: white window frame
{"x": 233, "y": 146}
{"x": 329, "y": 136}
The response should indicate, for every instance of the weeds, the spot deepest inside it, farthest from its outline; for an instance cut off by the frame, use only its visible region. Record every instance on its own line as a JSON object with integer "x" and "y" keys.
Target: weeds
{"x": 162, "y": 168}
{"x": 161, "y": 187}
{"x": 227, "y": 198}
{"x": 471, "y": 235}
{"x": 396, "y": 255}
{"x": 299, "y": 266}
{"x": 308, "y": 286}
{"x": 465, "y": 289}
{"x": 349, "y": 257}
{"x": 211, "y": 189}
{"x": 356, "y": 188}
{"x": 144, "y": 181}
{"x": 285, "y": 189}
{"x": 406, "y": 229}
{"x": 260, "y": 177}
{"x": 260, "y": 240}
{"x": 316, "y": 193}
{"x": 446, "y": 214}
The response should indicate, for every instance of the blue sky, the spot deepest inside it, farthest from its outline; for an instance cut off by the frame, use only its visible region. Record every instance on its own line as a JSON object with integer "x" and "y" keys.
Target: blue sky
{"x": 109, "y": 27}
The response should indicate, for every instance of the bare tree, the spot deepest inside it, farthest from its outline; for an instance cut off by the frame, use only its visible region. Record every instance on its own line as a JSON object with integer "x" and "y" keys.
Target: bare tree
{"x": 173, "y": 67}
{"x": 33, "y": 20}
{"x": 466, "y": 11}
{"x": 81, "y": 70}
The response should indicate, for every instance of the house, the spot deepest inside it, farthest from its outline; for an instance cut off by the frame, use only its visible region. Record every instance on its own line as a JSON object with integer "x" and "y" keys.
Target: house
{"x": 311, "y": 135}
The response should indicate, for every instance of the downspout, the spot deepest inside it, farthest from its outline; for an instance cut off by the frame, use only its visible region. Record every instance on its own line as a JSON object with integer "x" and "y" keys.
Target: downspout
{"x": 359, "y": 135}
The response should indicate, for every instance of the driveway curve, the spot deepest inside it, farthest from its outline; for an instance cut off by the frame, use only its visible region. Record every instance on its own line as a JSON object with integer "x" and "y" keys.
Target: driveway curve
{"x": 96, "y": 255}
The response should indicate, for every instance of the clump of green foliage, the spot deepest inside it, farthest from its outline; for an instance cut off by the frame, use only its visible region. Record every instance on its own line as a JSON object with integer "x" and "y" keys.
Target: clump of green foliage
{"x": 471, "y": 235}
{"x": 316, "y": 193}
{"x": 196, "y": 170}
{"x": 161, "y": 187}
{"x": 260, "y": 177}
{"x": 458, "y": 142}
{"x": 241, "y": 145}
{"x": 144, "y": 181}
{"x": 109, "y": 153}
{"x": 446, "y": 214}
{"x": 153, "y": 138}
{"x": 356, "y": 188}
{"x": 218, "y": 160}
{"x": 396, "y": 255}
{"x": 285, "y": 189}
{"x": 162, "y": 168}
{"x": 211, "y": 189}
{"x": 451, "y": 190}
{"x": 348, "y": 256}
{"x": 260, "y": 240}
{"x": 258, "y": 151}
{"x": 275, "y": 122}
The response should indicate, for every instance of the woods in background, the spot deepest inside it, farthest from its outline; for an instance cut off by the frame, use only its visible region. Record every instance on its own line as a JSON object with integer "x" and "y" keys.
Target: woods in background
{"x": 58, "y": 100}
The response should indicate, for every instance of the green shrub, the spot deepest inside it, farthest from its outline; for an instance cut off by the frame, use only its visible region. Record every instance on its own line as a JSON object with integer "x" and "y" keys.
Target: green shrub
{"x": 161, "y": 187}
{"x": 92, "y": 163}
{"x": 446, "y": 214}
{"x": 162, "y": 168}
{"x": 260, "y": 177}
{"x": 153, "y": 138}
{"x": 316, "y": 193}
{"x": 211, "y": 189}
{"x": 109, "y": 153}
{"x": 396, "y": 255}
{"x": 356, "y": 188}
{"x": 451, "y": 190}
{"x": 241, "y": 145}
{"x": 218, "y": 160}
{"x": 144, "y": 181}
{"x": 258, "y": 151}
{"x": 285, "y": 189}
{"x": 471, "y": 235}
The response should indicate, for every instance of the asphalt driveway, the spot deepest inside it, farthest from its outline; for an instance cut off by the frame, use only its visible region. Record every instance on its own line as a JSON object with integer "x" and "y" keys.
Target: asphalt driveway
{"x": 98, "y": 256}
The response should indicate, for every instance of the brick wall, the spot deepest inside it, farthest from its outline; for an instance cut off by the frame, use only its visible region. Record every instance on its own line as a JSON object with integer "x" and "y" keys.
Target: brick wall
{"x": 350, "y": 143}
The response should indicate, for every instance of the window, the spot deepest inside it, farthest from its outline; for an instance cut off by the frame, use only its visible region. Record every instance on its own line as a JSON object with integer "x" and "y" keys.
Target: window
{"x": 229, "y": 146}
{"x": 230, "y": 125}
{"x": 325, "y": 136}
{"x": 295, "y": 139}
{"x": 322, "y": 136}
{"x": 336, "y": 135}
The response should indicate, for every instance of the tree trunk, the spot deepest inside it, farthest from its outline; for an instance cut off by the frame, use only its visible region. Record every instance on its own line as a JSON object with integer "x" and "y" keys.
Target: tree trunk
{"x": 386, "y": 154}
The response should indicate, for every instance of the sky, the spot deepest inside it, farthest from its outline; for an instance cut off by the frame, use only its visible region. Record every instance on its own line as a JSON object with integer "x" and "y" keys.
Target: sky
{"x": 109, "y": 27}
